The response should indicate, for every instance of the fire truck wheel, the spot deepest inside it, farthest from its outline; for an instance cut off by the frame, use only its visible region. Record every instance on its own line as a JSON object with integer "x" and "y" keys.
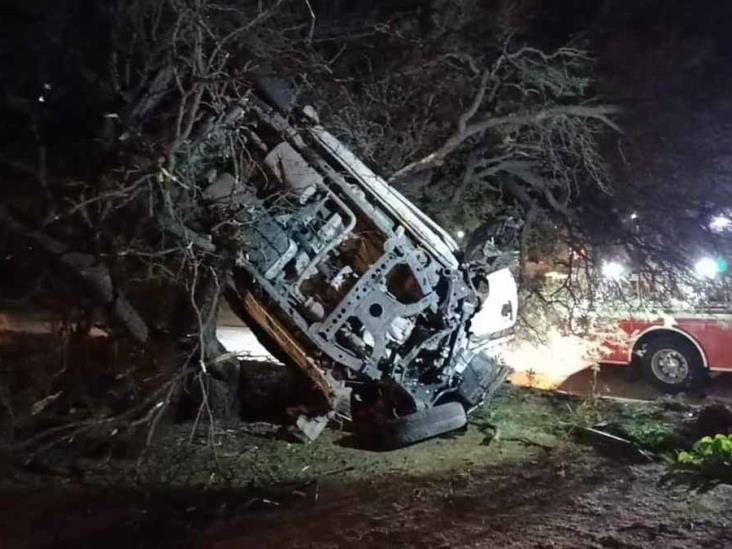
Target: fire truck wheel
{"x": 672, "y": 364}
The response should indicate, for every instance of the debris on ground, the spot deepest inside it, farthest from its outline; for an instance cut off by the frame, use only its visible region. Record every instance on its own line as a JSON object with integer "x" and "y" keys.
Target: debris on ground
{"x": 618, "y": 446}
{"x": 239, "y": 488}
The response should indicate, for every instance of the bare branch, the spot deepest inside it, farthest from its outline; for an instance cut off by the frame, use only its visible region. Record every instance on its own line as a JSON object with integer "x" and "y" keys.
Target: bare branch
{"x": 600, "y": 113}
{"x": 89, "y": 270}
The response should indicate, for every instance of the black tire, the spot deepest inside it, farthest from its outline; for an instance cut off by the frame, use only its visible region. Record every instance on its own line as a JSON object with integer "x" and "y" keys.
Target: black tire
{"x": 672, "y": 364}
{"x": 422, "y": 425}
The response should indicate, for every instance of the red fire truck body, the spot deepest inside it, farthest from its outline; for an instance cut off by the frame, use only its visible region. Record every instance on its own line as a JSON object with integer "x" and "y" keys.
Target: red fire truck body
{"x": 673, "y": 349}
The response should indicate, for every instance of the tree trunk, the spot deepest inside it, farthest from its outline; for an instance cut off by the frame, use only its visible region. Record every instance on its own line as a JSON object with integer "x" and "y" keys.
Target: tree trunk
{"x": 222, "y": 381}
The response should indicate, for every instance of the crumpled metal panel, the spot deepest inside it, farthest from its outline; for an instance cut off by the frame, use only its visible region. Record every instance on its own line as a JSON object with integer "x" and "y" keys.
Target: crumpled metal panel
{"x": 324, "y": 254}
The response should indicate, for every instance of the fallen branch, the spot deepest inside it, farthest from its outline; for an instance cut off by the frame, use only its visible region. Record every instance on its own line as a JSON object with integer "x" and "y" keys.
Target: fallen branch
{"x": 87, "y": 268}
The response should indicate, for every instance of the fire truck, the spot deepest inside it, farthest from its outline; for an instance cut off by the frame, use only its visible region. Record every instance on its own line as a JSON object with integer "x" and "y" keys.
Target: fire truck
{"x": 674, "y": 351}
{"x": 674, "y": 348}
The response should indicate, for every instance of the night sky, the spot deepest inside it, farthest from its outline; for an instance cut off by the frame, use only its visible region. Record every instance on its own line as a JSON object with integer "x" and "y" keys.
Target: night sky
{"x": 668, "y": 63}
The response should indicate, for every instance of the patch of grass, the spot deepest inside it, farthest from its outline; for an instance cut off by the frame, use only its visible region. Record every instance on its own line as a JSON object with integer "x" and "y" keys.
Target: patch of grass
{"x": 654, "y": 436}
{"x": 649, "y": 426}
{"x": 586, "y": 414}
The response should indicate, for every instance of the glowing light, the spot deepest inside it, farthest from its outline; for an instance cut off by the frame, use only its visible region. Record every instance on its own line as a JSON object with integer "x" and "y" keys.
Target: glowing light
{"x": 710, "y": 267}
{"x": 720, "y": 223}
{"x": 634, "y": 216}
{"x": 460, "y": 234}
{"x": 612, "y": 270}
{"x": 241, "y": 341}
{"x": 548, "y": 364}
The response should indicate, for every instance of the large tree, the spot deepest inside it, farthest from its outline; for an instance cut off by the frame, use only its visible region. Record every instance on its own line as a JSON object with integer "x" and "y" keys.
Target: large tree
{"x": 117, "y": 120}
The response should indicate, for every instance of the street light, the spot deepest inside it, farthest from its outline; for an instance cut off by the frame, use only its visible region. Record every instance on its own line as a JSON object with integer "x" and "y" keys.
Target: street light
{"x": 710, "y": 267}
{"x": 720, "y": 223}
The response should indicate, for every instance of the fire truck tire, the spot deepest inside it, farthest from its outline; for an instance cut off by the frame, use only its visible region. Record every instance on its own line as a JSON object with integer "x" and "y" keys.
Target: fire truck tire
{"x": 422, "y": 425}
{"x": 672, "y": 364}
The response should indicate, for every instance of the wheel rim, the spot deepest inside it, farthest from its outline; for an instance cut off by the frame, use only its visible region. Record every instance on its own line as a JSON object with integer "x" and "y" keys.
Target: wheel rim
{"x": 670, "y": 366}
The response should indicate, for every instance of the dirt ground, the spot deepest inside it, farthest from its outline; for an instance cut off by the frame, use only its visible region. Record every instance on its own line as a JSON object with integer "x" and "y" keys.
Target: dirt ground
{"x": 533, "y": 484}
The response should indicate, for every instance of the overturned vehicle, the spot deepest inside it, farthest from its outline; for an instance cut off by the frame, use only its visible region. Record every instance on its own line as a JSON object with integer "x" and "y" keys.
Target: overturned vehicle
{"x": 342, "y": 276}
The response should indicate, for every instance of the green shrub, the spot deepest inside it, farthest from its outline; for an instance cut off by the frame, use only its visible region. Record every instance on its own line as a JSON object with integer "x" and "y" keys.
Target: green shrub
{"x": 654, "y": 436}
{"x": 713, "y": 451}
{"x": 707, "y": 464}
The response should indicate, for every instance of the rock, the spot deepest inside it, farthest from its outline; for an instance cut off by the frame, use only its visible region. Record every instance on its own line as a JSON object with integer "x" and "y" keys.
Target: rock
{"x": 716, "y": 500}
{"x": 714, "y": 419}
{"x": 310, "y": 428}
